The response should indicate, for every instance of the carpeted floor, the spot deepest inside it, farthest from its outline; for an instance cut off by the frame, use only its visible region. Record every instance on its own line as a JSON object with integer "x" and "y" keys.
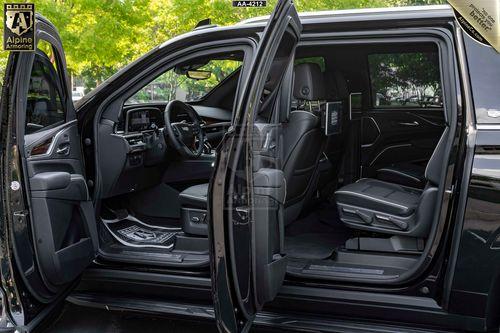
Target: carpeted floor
{"x": 317, "y": 235}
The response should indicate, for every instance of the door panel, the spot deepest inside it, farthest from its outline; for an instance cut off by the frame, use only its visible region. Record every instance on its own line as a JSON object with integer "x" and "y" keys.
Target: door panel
{"x": 399, "y": 135}
{"x": 247, "y": 192}
{"x": 404, "y": 118}
{"x": 63, "y": 215}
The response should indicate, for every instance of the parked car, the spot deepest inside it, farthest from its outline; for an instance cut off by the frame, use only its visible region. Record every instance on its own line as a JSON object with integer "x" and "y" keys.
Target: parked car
{"x": 76, "y": 95}
{"x": 258, "y": 196}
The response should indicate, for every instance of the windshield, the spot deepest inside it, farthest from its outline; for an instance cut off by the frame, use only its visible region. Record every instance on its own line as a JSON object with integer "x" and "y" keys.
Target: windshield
{"x": 186, "y": 83}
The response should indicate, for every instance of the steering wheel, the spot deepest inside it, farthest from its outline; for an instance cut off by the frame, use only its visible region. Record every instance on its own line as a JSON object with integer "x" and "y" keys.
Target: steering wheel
{"x": 186, "y": 137}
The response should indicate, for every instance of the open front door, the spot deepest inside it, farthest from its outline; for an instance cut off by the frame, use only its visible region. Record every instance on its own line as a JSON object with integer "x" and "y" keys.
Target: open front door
{"x": 249, "y": 188}
{"x": 49, "y": 224}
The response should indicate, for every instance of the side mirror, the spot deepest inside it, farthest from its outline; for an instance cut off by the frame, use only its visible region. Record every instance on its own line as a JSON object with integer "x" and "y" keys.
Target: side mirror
{"x": 198, "y": 74}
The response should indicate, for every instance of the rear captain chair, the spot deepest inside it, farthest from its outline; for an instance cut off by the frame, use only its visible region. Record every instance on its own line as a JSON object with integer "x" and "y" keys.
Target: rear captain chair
{"x": 391, "y": 209}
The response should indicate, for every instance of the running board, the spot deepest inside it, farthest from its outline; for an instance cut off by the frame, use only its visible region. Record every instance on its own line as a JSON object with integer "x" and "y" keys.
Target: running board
{"x": 264, "y": 319}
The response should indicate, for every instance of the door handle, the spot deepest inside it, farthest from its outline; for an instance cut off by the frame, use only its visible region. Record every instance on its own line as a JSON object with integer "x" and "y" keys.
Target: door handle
{"x": 242, "y": 213}
{"x": 413, "y": 123}
{"x": 63, "y": 149}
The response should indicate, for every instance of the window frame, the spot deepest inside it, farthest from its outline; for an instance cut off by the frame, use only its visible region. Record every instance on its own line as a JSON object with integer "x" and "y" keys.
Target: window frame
{"x": 24, "y": 69}
{"x": 57, "y": 87}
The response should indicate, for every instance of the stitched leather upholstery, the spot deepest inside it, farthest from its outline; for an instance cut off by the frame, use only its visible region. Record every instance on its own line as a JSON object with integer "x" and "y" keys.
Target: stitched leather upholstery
{"x": 194, "y": 196}
{"x": 384, "y": 207}
{"x": 379, "y": 196}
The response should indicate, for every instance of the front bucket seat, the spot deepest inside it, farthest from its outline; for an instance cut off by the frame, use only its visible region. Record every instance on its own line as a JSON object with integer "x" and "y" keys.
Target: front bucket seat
{"x": 303, "y": 139}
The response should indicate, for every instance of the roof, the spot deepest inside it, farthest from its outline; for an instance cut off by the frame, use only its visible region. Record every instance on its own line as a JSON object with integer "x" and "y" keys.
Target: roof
{"x": 368, "y": 14}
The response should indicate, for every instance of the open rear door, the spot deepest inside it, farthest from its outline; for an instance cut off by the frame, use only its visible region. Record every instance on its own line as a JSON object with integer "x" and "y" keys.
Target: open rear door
{"x": 49, "y": 230}
{"x": 248, "y": 190}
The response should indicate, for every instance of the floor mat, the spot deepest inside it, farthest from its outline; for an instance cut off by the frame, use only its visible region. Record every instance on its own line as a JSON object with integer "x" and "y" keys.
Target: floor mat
{"x": 310, "y": 246}
{"x": 132, "y": 232}
{"x": 317, "y": 235}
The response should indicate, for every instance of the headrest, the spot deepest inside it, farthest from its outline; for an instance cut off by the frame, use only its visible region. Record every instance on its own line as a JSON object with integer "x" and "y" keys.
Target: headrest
{"x": 337, "y": 86}
{"x": 309, "y": 82}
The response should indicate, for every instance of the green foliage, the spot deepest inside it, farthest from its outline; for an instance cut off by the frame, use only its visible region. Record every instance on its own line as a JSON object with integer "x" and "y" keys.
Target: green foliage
{"x": 401, "y": 78}
{"x": 172, "y": 85}
{"x": 101, "y": 36}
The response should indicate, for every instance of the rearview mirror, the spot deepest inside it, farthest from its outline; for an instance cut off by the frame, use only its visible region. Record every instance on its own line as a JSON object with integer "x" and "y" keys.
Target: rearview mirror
{"x": 198, "y": 74}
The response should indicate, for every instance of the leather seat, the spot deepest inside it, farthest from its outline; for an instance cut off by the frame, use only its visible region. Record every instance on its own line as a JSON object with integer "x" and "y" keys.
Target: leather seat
{"x": 194, "y": 196}
{"x": 380, "y": 196}
{"x": 388, "y": 208}
{"x": 193, "y": 201}
{"x": 303, "y": 139}
{"x": 406, "y": 174}
{"x": 302, "y": 136}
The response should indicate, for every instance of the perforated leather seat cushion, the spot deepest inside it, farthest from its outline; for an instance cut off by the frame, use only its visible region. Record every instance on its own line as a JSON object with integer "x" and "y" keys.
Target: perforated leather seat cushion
{"x": 194, "y": 196}
{"x": 380, "y": 196}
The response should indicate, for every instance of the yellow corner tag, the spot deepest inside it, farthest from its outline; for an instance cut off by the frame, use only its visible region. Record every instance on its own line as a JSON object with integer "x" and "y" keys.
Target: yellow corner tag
{"x": 480, "y": 17}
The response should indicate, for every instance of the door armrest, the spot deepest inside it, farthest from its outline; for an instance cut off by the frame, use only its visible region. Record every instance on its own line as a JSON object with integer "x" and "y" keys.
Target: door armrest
{"x": 59, "y": 185}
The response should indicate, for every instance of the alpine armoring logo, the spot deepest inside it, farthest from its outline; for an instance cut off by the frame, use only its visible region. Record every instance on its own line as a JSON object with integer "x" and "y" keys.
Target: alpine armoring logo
{"x": 19, "y": 27}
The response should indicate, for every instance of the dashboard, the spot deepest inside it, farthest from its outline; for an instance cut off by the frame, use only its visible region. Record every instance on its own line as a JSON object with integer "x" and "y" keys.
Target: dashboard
{"x": 136, "y": 155}
{"x": 140, "y": 118}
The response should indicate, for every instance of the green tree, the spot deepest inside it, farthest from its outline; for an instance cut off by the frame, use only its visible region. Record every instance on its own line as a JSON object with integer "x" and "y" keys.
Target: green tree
{"x": 101, "y": 36}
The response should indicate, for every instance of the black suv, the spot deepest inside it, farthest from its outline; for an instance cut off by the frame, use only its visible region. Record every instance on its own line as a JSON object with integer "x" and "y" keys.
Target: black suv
{"x": 333, "y": 171}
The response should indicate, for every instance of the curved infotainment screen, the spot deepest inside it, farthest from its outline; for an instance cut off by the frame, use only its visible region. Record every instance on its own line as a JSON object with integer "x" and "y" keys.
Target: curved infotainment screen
{"x": 141, "y": 119}
{"x": 138, "y": 120}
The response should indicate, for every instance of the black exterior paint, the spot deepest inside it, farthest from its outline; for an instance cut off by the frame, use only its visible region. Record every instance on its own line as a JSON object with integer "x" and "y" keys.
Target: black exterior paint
{"x": 475, "y": 289}
{"x": 473, "y": 302}
{"x": 475, "y": 284}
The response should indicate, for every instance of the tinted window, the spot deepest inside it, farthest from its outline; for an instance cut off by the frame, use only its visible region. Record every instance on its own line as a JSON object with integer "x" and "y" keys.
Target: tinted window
{"x": 187, "y": 83}
{"x": 484, "y": 71}
{"x": 44, "y": 105}
{"x": 405, "y": 80}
